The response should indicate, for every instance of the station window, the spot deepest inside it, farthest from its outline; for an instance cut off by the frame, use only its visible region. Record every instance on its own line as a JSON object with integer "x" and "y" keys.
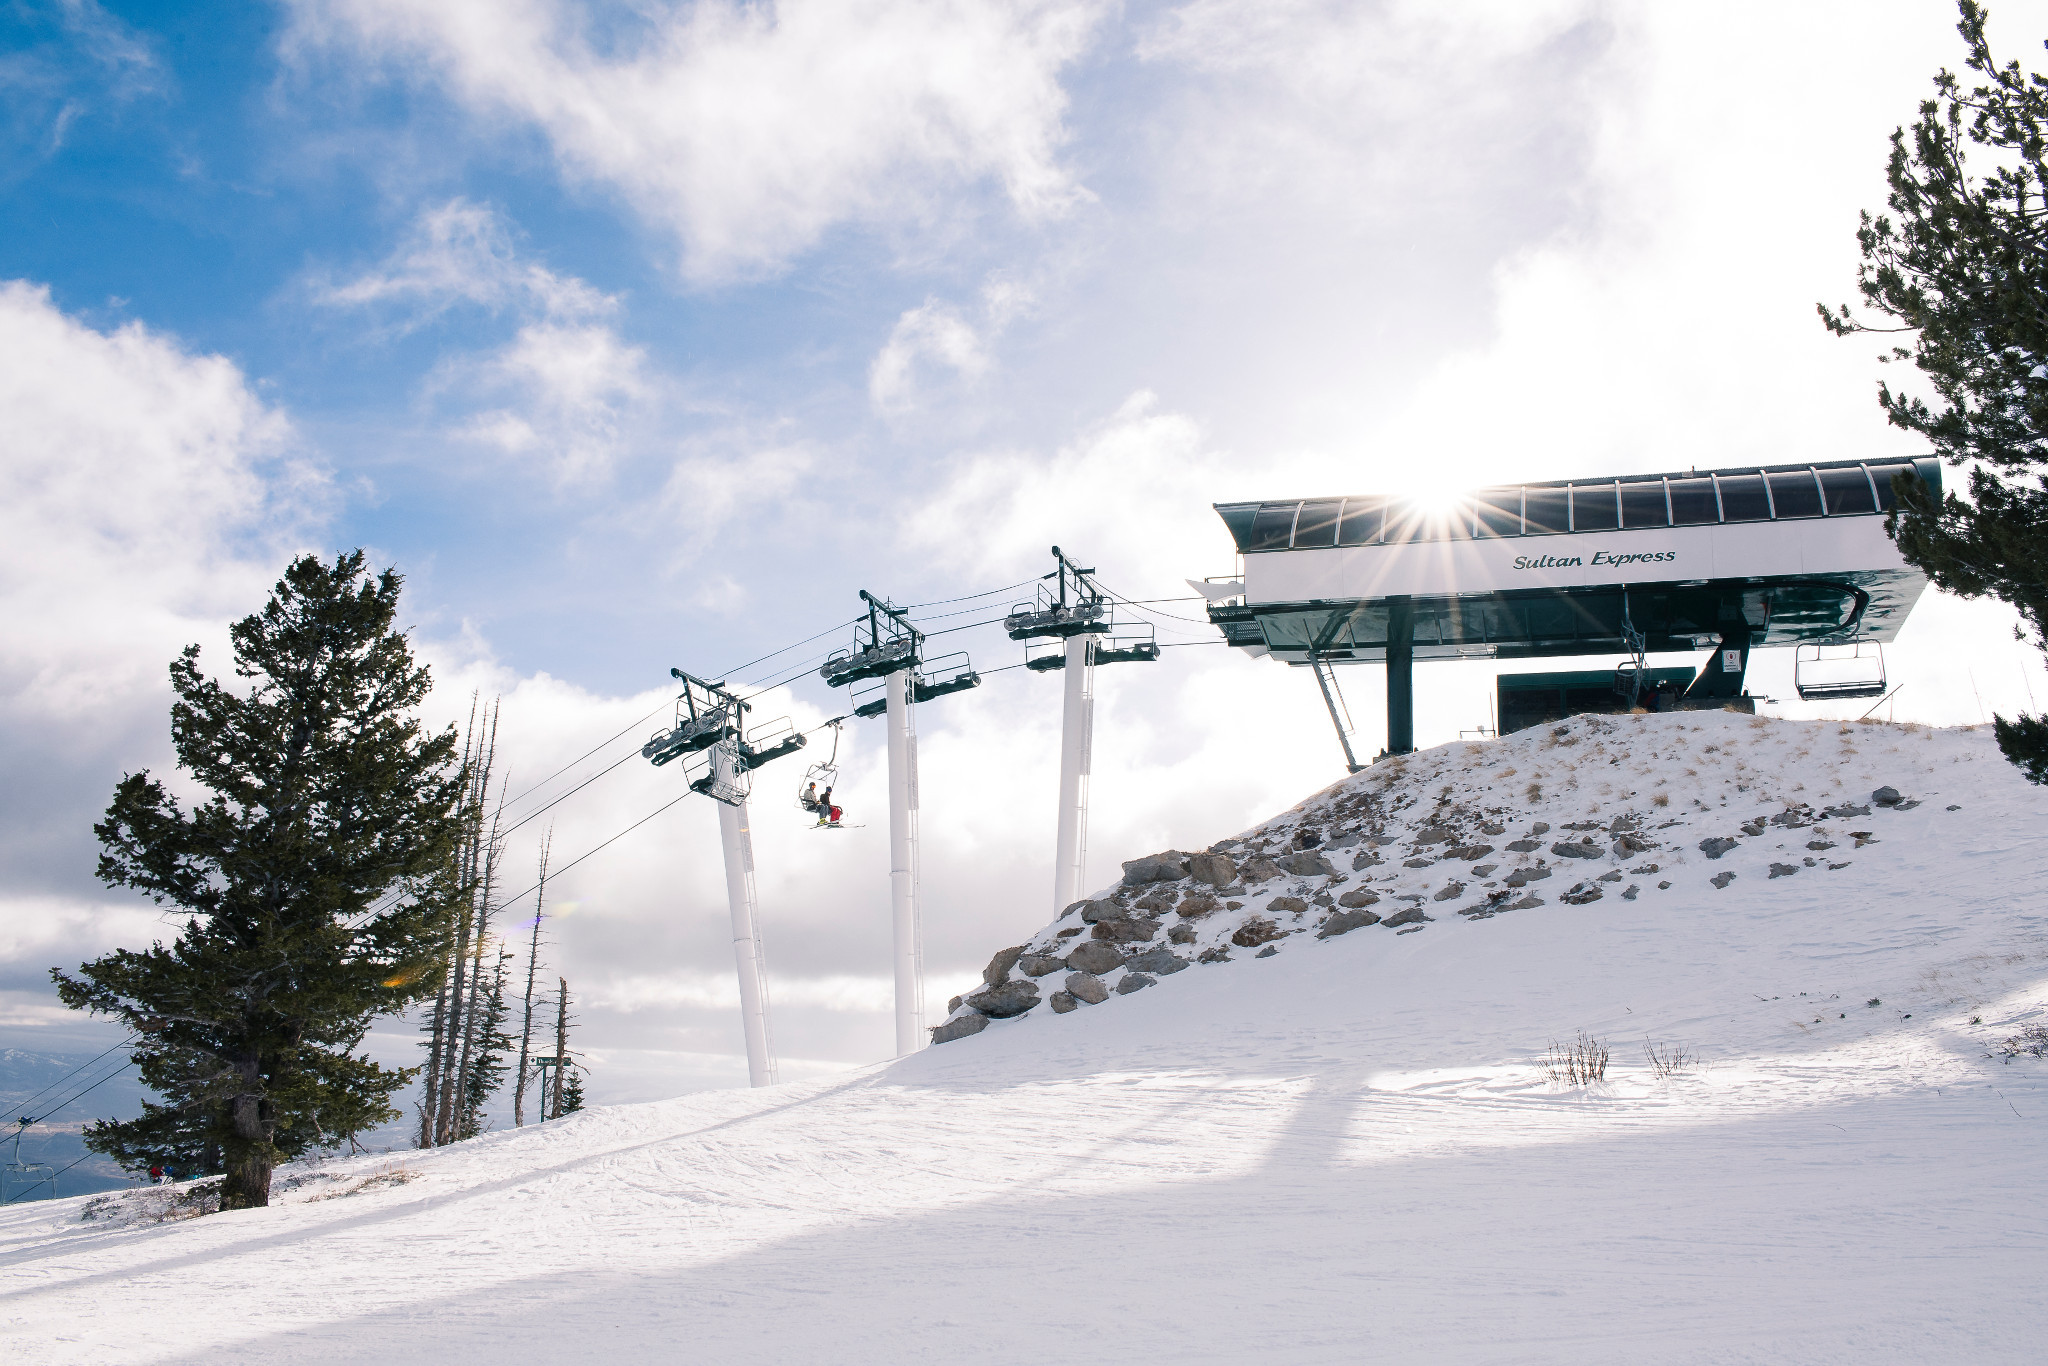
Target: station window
{"x": 1408, "y": 521}
{"x": 1594, "y": 508}
{"x": 1317, "y": 525}
{"x": 1273, "y": 527}
{"x": 1743, "y": 498}
{"x": 1546, "y": 512}
{"x": 1693, "y": 502}
{"x": 1881, "y": 475}
{"x": 1361, "y": 525}
{"x": 1642, "y": 504}
{"x": 1795, "y": 494}
{"x": 1846, "y": 491}
{"x": 1498, "y": 512}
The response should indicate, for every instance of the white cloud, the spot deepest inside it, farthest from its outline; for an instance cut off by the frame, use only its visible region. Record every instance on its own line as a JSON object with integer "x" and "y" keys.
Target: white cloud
{"x": 577, "y": 391}
{"x": 147, "y": 497}
{"x": 752, "y": 130}
{"x": 933, "y": 332}
{"x": 462, "y": 252}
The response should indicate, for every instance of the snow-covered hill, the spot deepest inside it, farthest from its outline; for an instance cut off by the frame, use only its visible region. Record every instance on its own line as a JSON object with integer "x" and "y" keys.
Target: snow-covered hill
{"x": 1345, "y": 1149}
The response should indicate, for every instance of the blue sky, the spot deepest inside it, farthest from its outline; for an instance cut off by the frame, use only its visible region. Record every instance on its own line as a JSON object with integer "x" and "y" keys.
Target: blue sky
{"x": 641, "y": 336}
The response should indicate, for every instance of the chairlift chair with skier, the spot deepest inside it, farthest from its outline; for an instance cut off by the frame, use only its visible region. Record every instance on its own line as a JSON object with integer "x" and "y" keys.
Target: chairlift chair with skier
{"x": 814, "y": 793}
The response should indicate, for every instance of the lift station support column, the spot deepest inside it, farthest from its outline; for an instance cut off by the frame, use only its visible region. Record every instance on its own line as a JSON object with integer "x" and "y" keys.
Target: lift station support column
{"x": 1400, "y": 676}
{"x": 735, "y": 834}
{"x": 903, "y": 864}
{"x": 1077, "y": 739}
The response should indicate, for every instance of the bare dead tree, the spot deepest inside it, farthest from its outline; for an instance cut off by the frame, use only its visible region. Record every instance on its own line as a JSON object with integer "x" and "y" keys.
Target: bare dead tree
{"x": 532, "y": 965}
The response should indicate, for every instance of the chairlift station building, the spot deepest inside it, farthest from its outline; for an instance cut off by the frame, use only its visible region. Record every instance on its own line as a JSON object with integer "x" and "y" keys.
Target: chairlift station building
{"x": 1729, "y": 559}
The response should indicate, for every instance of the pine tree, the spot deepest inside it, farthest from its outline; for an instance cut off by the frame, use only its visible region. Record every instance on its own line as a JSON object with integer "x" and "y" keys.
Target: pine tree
{"x": 314, "y": 880}
{"x": 485, "y": 1071}
{"x": 1963, "y": 265}
{"x": 572, "y": 1093}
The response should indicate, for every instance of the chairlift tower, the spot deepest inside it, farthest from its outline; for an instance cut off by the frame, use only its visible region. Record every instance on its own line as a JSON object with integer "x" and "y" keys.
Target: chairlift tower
{"x": 709, "y": 717}
{"x": 891, "y": 649}
{"x": 1077, "y": 614}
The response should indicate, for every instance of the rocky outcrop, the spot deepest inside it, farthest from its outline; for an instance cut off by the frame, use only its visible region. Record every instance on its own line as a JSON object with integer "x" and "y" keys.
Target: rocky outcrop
{"x": 1353, "y": 900}
{"x": 1086, "y": 986}
{"x": 1132, "y": 930}
{"x": 1717, "y": 846}
{"x": 1161, "y": 962}
{"x": 1412, "y": 916}
{"x": 1062, "y": 1002}
{"x": 1580, "y": 848}
{"x": 1197, "y": 904}
{"x": 1006, "y": 1001}
{"x": 1166, "y": 867}
{"x": 959, "y": 1027}
{"x": 998, "y": 970}
{"x": 1134, "y": 981}
{"x": 1308, "y": 864}
{"x": 1218, "y": 870}
{"x": 1039, "y": 964}
{"x": 1287, "y": 905}
{"x": 1261, "y": 869}
{"x": 1094, "y": 956}
{"x": 1255, "y": 931}
{"x": 1343, "y": 922}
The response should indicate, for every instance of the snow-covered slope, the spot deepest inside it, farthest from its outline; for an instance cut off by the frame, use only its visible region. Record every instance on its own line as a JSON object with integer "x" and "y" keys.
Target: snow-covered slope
{"x": 1345, "y": 1150}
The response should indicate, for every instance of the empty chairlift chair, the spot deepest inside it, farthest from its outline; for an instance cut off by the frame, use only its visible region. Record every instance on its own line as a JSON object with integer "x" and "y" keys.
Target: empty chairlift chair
{"x": 1828, "y": 671}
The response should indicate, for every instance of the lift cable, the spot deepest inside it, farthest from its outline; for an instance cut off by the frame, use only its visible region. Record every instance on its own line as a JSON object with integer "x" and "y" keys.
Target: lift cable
{"x": 946, "y": 602}
{"x": 76, "y": 1094}
{"x": 62, "y": 1081}
{"x": 52, "y": 1180}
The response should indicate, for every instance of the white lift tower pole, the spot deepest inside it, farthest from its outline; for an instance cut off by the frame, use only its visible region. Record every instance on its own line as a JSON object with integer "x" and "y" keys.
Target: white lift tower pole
{"x": 1077, "y": 740}
{"x": 903, "y": 866}
{"x": 1076, "y": 613}
{"x": 735, "y": 834}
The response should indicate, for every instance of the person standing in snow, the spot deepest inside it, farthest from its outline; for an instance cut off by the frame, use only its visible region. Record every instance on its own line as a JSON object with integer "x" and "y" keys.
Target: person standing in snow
{"x": 156, "y": 1176}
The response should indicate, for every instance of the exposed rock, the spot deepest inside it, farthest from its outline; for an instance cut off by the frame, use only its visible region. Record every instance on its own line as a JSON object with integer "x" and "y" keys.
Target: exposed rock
{"x": 1086, "y": 986}
{"x": 1418, "y": 863}
{"x": 1286, "y": 905}
{"x": 1359, "y": 898}
{"x": 1412, "y": 916}
{"x": 1753, "y": 828}
{"x": 1862, "y": 837}
{"x": 998, "y": 970}
{"x": 1469, "y": 853}
{"x": 1134, "y": 930}
{"x": 1068, "y": 933}
{"x": 1134, "y": 981}
{"x": 1266, "y": 952}
{"x": 1484, "y": 870}
{"x": 1492, "y": 828}
{"x": 1093, "y": 956}
{"x": 1538, "y": 829}
{"x": 1195, "y": 905}
{"x": 1062, "y": 1002}
{"x": 1434, "y": 834}
{"x": 1628, "y": 843}
{"x": 1717, "y": 846}
{"x": 1663, "y": 886}
{"x": 1162, "y": 962}
{"x": 1260, "y": 869}
{"x": 1522, "y": 877}
{"x": 1308, "y": 864}
{"x": 1256, "y": 931}
{"x": 1220, "y": 845}
{"x": 1907, "y": 805}
{"x": 1569, "y": 849}
{"x": 1845, "y": 810}
{"x": 1645, "y": 870}
{"x": 1218, "y": 870}
{"x": 1628, "y": 893}
{"x": 1158, "y": 903}
{"x": 1784, "y": 869}
{"x": 1166, "y": 867}
{"x": 959, "y": 1027}
{"x": 1343, "y": 922}
{"x": 1450, "y": 891}
{"x": 1524, "y": 846}
{"x": 1218, "y": 954}
{"x": 1526, "y": 903}
{"x": 1181, "y": 934}
{"x": 1582, "y": 893}
{"x": 1092, "y": 911}
{"x": 1005, "y": 1001}
{"x": 1886, "y": 796}
{"x": 1365, "y": 861}
{"x": 952, "y": 1005}
{"x": 1624, "y": 821}
{"x": 1073, "y": 909}
{"x": 1722, "y": 879}
{"x": 1307, "y": 837}
{"x": 1611, "y": 875}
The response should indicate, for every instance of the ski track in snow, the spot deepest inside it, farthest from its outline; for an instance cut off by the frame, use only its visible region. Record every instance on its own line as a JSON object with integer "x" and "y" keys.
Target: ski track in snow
{"x": 1345, "y": 1151}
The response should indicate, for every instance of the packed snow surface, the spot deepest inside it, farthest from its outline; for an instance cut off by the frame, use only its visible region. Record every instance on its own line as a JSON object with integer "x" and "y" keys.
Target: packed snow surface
{"x": 1345, "y": 1150}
